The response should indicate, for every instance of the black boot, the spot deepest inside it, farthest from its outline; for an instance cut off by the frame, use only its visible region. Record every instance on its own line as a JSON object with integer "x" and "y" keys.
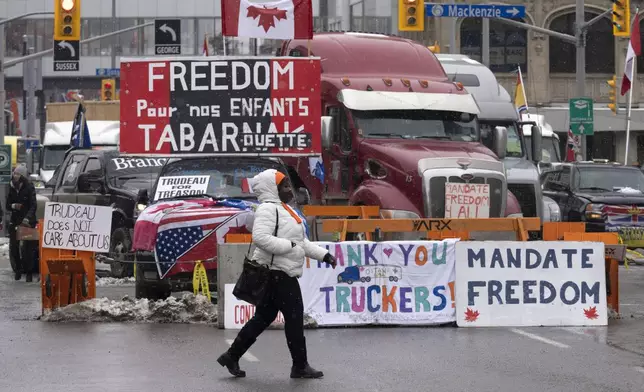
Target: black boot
{"x": 17, "y": 276}
{"x": 29, "y": 278}
{"x": 231, "y": 364}
{"x": 305, "y": 372}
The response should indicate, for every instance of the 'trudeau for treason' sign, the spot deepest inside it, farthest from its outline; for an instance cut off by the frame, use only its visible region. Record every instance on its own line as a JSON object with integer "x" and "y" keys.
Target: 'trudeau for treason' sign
{"x": 229, "y": 106}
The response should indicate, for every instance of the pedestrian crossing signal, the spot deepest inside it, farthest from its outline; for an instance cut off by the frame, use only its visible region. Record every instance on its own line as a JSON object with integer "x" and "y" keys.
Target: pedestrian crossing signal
{"x": 612, "y": 94}
{"x": 67, "y": 17}
{"x": 108, "y": 89}
{"x": 411, "y": 15}
{"x": 621, "y": 18}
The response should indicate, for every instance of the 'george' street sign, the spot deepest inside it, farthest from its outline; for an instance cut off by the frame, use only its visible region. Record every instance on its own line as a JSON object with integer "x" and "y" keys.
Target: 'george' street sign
{"x": 581, "y": 116}
{"x": 475, "y": 11}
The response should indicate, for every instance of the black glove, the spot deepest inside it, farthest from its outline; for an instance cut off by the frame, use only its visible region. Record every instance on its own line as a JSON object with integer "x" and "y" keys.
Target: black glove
{"x": 329, "y": 259}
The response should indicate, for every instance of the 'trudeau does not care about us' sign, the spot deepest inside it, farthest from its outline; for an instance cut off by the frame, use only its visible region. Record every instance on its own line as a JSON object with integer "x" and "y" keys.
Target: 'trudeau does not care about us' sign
{"x": 231, "y": 105}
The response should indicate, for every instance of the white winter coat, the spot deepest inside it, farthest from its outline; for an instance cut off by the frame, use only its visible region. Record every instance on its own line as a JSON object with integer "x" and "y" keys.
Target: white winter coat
{"x": 286, "y": 257}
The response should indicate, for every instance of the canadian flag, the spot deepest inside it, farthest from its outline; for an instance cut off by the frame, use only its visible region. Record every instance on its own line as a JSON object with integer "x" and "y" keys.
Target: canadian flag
{"x": 283, "y": 19}
{"x": 634, "y": 50}
{"x": 205, "y": 46}
{"x": 572, "y": 147}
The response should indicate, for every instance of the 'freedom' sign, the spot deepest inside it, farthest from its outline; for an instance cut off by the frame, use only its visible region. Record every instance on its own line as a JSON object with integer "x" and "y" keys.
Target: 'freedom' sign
{"x": 225, "y": 106}
{"x": 545, "y": 283}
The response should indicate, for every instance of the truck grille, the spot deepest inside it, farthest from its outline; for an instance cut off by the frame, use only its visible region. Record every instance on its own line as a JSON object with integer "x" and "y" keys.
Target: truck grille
{"x": 526, "y": 198}
{"x": 437, "y": 194}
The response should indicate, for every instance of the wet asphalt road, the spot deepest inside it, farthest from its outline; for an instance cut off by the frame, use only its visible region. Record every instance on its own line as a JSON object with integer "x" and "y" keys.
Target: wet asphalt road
{"x": 44, "y": 356}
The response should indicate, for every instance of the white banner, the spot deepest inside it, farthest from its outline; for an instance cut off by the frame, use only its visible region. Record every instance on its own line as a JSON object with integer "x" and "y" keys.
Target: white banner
{"x": 238, "y": 312}
{"x": 174, "y": 186}
{"x": 398, "y": 282}
{"x": 77, "y": 227}
{"x": 508, "y": 283}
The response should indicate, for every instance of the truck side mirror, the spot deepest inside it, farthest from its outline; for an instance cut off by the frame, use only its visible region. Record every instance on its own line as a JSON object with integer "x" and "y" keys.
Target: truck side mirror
{"x": 537, "y": 144}
{"x": 327, "y": 132}
{"x": 143, "y": 197}
{"x": 303, "y": 197}
{"x": 500, "y": 141}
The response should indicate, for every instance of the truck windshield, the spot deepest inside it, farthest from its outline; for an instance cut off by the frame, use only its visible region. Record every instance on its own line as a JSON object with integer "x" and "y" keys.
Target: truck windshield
{"x": 53, "y": 156}
{"x": 134, "y": 172}
{"x": 416, "y": 124}
{"x": 607, "y": 179}
{"x": 514, "y": 147}
{"x": 218, "y": 177}
{"x": 550, "y": 149}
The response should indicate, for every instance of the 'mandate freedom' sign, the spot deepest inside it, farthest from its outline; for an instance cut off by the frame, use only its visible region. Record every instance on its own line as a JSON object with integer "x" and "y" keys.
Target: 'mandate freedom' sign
{"x": 229, "y": 105}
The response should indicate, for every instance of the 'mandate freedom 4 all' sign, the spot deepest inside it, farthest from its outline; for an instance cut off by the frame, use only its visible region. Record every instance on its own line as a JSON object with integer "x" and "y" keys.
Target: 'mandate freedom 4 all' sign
{"x": 231, "y": 105}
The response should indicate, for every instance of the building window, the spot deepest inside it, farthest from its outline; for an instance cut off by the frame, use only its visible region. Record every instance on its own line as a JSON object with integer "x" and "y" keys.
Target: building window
{"x": 639, "y": 62}
{"x": 600, "y": 46}
{"x": 508, "y": 44}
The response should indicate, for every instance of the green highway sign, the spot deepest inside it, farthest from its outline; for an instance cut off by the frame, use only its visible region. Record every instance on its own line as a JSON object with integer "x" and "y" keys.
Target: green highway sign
{"x": 581, "y": 116}
{"x": 5, "y": 164}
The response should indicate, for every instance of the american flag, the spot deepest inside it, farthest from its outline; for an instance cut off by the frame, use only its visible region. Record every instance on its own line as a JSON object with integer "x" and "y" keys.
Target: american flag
{"x": 184, "y": 232}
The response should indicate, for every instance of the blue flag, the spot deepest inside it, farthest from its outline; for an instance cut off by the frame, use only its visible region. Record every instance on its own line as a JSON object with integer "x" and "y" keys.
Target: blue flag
{"x": 78, "y": 139}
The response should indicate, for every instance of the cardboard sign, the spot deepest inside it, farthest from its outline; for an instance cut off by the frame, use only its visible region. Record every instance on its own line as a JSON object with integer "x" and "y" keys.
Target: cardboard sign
{"x": 238, "y": 312}
{"x": 173, "y": 186}
{"x": 508, "y": 283}
{"x": 467, "y": 200}
{"x": 77, "y": 227}
{"x": 224, "y": 106}
{"x": 395, "y": 283}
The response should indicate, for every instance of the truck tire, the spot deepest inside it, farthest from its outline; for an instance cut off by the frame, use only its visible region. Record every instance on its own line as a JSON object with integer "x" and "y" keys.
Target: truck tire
{"x": 121, "y": 244}
{"x": 145, "y": 290}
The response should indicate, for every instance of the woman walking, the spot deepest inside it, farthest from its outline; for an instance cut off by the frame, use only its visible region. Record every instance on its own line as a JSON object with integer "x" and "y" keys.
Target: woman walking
{"x": 280, "y": 241}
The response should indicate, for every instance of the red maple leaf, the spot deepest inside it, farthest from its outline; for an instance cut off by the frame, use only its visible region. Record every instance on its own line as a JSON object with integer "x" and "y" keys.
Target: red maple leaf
{"x": 591, "y": 313}
{"x": 266, "y": 15}
{"x": 471, "y": 315}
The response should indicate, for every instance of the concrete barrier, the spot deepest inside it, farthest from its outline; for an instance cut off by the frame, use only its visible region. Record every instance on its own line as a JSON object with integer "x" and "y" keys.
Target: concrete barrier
{"x": 230, "y": 263}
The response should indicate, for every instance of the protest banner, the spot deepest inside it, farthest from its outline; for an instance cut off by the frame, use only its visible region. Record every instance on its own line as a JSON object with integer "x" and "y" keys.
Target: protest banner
{"x": 227, "y": 105}
{"x": 467, "y": 201}
{"x": 398, "y": 282}
{"x": 238, "y": 312}
{"x": 508, "y": 283}
{"x": 77, "y": 227}
{"x": 173, "y": 186}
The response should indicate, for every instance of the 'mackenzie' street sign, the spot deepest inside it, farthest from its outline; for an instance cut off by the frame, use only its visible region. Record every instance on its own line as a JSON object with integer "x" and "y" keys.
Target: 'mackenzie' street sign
{"x": 475, "y": 10}
{"x": 227, "y": 106}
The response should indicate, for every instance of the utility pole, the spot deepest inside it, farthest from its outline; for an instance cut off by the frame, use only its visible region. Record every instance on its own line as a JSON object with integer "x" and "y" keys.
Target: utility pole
{"x": 580, "y": 44}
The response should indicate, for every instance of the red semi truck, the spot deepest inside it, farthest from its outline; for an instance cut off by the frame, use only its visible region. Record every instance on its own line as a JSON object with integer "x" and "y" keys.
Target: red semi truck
{"x": 396, "y": 131}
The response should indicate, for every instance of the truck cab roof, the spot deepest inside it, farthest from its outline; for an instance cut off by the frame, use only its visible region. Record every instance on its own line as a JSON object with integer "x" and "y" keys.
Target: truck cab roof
{"x": 101, "y": 132}
{"x": 402, "y": 65}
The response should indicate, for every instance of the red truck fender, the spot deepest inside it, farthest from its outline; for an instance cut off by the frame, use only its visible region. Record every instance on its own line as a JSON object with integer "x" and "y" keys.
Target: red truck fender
{"x": 512, "y": 206}
{"x": 383, "y": 194}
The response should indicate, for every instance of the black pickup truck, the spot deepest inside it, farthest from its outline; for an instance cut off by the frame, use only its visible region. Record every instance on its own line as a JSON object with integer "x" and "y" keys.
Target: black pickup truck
{"x": 606, "y": 196}
{"x": 106, "y": 178}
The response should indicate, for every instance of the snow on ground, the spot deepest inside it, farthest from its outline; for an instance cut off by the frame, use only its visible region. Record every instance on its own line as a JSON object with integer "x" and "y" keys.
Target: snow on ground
{"x": 109, "y": 281}
{"x": 189, "y": 309}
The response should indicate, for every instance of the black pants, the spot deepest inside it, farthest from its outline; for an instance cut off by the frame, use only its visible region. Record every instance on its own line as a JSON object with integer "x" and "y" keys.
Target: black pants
{"x": 24, "y": 263}
{"x": 285, "y": 296}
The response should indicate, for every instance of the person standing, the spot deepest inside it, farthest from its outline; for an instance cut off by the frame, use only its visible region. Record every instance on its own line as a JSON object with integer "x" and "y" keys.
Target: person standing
{"x": 281, "y": 242}
{"x": 21, "y": 202}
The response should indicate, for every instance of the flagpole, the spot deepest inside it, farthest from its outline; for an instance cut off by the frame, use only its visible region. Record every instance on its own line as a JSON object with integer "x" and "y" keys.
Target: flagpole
{"x": 525, "y": 98}
{"x": 630, "y": 96}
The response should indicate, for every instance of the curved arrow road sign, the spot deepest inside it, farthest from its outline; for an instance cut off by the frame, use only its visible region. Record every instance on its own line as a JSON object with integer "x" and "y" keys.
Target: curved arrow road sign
{"x": 167, "y": 29}
{"x": 67, "y": 45}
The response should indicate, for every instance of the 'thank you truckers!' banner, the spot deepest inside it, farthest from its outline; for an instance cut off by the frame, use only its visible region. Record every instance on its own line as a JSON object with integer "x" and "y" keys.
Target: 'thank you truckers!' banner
{"x": 395, "y": 282}
{"x": 228, "y": 105}
{"x": 507, "y": 283}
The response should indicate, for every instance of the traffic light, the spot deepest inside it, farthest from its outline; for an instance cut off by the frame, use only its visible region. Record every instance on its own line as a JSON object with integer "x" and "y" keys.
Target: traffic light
{"x": 612, "y": 94}
{"x": 411, "y": 15}
{"x": 108, "y": 89}
{"x": 67, "y": 17}
{"x": 436, "y": 48}
{"x": 621, "y": 18}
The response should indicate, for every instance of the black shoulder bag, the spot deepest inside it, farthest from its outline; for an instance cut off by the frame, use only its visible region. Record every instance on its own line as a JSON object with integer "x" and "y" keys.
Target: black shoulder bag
{"x": 253, "y": 283}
